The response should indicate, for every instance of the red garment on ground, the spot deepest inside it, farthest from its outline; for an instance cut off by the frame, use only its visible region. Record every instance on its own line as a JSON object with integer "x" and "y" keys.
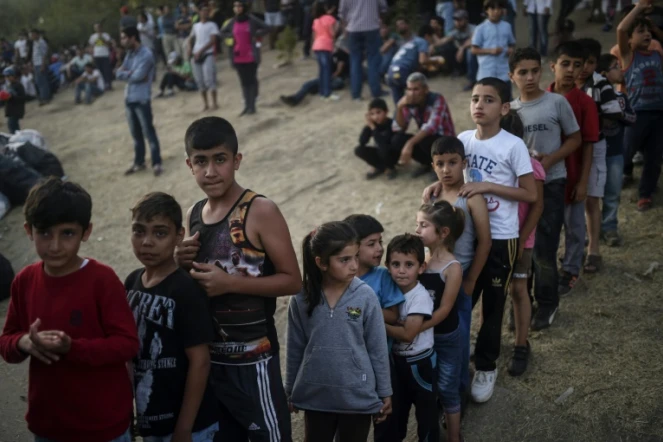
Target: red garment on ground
{"x": 587, "y": 117}
{"x": 87, "y": 395}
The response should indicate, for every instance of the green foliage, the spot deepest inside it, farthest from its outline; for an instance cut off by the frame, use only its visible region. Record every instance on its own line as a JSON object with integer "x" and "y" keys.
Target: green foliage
{"x": 286, "y": 44}
{"x": 405, "y": 9}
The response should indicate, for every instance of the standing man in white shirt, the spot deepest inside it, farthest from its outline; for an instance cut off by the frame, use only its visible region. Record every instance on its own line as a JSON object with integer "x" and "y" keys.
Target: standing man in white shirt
{"x": 203, "y": 59}
{"x": 101, "y": 44}
{"x": 21, "y": 48}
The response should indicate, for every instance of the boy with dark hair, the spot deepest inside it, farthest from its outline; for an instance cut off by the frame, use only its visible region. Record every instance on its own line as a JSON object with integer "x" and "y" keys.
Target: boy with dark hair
{"x": 414, "y": 357}
{"x": 569, "y": 61}
{"x": 175, "y": 327}
{"x": 14, "y": 98}
{"x": 603, "y": 94}
{"x": 546, "y": 118}
{"x": 643, "y": 76}
{"x": 91, "y": 82}
{"x": 493, "y": 42}
{"x": 501, "y": 171}
{"x": 238, "y": 248}
{"x": 70, "y": 314}
{"x": 382, "y": 158}
{"x": 608, "y": 66}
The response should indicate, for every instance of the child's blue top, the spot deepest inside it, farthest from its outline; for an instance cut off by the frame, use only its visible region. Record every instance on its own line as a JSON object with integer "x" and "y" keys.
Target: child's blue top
{"x": 644, "y": 81}
{"x": 490, "y": 35}
{"x": 379, "y": 279}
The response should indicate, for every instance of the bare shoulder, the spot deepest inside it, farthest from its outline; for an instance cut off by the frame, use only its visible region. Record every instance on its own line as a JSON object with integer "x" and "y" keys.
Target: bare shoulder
{"x": 264, "y": 207}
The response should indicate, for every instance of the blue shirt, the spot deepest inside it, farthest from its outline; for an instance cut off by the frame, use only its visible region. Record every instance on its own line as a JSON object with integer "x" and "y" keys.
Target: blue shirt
{"x": 644, "y": 81}
{"x": 407, "y": 57}
{"x": 490, "y": 35}
{"x": 138, "y": 71}
{"x": 379, "y": 279}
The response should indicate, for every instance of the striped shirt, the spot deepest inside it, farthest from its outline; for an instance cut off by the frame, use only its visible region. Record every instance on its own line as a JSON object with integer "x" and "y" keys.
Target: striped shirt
{"x": 434, "y": 117}
{"x": 603, "y": 94}
{"x": 362, "y": 15}
{"x": 39, "y": 51}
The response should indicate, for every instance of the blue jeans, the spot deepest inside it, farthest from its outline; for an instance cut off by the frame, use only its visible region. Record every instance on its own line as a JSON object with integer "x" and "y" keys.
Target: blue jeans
{"x": 448, "y": 349}
{"x": 472, "y": 65}
{"x": 43, "y": 88}
{"x": 91, "y": 90}
{"x": 397, "y": 82}
{"x": 312, "y": 87}
{"x": 325, "y": 69}
{"x": 12, "y": 125}
{"x": 386, "y": 60}
{"x": 464, "y": 306}
{"x": 369, "y": 42}
{"x": 125, "y": 437}
{"x": 446, "y": 11}
{"x": 139, "y": 117}
{"x": 538, "y": 32}
{"x": 613, "y": 189}
{"x": 205, "y": 435}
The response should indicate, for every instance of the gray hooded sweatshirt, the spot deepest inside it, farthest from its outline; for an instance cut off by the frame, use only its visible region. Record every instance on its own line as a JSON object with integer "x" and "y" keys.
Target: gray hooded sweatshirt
{"x": 337, "y": 359}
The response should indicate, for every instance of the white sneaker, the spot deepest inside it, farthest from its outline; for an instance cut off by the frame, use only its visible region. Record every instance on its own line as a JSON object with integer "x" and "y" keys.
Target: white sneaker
{"x": 638, "y": 158}
{"x": 483, "y": 385}
{"x": 334, "y": 97}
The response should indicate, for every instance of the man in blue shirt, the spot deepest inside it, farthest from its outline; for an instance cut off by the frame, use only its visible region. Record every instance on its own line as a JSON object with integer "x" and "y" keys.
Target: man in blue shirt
{"x": 138, "y": 70}
{"x": 412, "y": 55}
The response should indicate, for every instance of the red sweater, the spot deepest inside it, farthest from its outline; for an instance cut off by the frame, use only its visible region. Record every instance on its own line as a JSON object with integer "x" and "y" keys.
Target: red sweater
{"x": 87, "y": 395}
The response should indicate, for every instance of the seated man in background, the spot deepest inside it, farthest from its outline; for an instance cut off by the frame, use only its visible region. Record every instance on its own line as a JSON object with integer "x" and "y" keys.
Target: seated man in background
{"x": 91, "y": 82}
{"x": 178, "y": 74}
{"x": 456, "y": 48}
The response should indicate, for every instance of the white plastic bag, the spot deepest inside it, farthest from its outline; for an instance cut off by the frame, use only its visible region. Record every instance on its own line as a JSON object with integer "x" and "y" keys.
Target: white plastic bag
{"x": 28, "y": 136}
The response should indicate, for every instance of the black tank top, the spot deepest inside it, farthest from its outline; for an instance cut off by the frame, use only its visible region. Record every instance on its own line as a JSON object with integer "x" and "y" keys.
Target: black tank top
{"x": 433, "y": 282}
{"x": 244, "y": 323}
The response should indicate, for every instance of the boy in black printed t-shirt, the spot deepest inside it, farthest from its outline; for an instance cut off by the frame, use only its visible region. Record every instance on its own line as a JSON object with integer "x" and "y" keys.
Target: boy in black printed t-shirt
{"x": 173, "y": 401}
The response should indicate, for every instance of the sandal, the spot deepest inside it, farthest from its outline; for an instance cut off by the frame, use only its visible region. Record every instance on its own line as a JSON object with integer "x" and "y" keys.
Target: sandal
{"x": 593, "y": 264}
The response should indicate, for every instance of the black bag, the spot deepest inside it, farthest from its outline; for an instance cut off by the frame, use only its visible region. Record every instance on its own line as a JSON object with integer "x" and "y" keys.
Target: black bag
{"x": 40, "y": 160}
{"x": 6, "y": 277}
{"x": 16, "y": 179}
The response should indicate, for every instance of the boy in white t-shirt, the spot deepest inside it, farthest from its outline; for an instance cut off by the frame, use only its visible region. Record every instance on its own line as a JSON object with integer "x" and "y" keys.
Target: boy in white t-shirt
{"x": 91, "y": 82}
{"x": 203, "y": 61}
{"x": 499, "y": 168}
{"x": 413, "y": 350}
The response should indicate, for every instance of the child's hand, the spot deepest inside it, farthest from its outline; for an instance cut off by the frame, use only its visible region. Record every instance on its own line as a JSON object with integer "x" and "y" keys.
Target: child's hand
{"x": 292, "y": 408}
{"x": 31, "y": 343}
{"x": 213, "y": 279}
{"x": 384, "y": 411}
{"x": 186, "y": 251}
{"x": 470, "y": 189}
{"x": 579, "y": 192}
{"x": 431, "y": 192}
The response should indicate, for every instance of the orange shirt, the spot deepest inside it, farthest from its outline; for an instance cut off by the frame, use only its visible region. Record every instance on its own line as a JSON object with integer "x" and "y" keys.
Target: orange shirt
{"x": 653, "y": 46}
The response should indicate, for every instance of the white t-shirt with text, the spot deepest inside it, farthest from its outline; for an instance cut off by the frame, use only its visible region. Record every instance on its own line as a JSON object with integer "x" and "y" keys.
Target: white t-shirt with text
{"x": 500, "y": 160}
{"x": 203, "y": 32}
{"x": 417, "y": 302}
{"x": 100, "y": 43}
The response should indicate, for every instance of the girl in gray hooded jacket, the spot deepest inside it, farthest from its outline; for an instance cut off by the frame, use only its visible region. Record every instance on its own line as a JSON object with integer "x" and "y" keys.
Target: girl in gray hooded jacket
{"x": 337, "y": 360}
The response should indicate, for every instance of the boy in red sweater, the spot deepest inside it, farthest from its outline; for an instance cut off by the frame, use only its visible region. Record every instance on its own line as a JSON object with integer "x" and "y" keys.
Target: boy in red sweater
{"x": 71, "y": 315}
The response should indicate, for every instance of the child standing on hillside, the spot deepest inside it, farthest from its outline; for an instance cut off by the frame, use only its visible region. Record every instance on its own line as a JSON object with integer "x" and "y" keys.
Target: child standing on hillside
{"x": 439, "y": 225}
{"x": 643, "y": 74}
{"x": 381, "y": 157}
{"x": 14, "y": 98}
{"x": 338, "y": 365}
{"x": 324, "y": 33}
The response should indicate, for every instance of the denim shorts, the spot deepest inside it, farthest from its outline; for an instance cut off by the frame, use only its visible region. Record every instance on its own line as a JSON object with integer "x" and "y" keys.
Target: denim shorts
{"x": 449, "y": 360}
{"x": 205, "y": 435}
{"x": 124, "y": 437}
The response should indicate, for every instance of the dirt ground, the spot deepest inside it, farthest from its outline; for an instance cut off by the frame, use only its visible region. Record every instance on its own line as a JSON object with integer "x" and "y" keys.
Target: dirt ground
{"x": 606, "y": 344}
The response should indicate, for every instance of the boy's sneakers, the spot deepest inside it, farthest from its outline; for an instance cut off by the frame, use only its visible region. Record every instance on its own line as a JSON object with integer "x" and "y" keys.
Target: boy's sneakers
{"x": 289, "y": 100}
{"x": 483, "y": 385}
{"x": 519, "y": 359}
{"x": 333, "y": 97}
{"x": 612, "y": 238}
{"x": 566, "y": 283}
{"x": 157, "y": 169}
{"x": 644, "y": 204}
{"x": 544, "y": 317}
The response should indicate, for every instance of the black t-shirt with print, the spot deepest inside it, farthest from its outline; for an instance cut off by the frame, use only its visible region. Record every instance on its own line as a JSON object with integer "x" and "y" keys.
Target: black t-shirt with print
{"x": 172, "y": 316}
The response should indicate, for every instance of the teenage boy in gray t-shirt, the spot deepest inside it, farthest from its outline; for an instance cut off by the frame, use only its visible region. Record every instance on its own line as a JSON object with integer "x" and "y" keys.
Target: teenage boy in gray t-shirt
{"x": 547, "y": 119}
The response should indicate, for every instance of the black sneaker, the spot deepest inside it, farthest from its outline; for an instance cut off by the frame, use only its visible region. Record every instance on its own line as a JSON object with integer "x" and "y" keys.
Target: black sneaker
{"x": 287, "y": 99}
{"x": 544, "y": 317}
{"x": 519, "y": 360}
{"x": 373, "y": 174}
{"x": 566, "y": 283}
{"x": 134, "y": 168}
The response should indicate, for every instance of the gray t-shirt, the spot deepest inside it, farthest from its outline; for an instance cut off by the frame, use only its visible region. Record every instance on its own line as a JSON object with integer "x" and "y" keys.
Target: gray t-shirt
{"x": 545, "y": 120}
{"x": 461, "y": 36}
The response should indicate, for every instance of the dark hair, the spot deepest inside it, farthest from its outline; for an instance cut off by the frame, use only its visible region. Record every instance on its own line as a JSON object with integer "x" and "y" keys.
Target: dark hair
{"x": 439, "y": 20}
{"x": 143, "y": 15}
{"x": 513, "y": 124}
{"x": 425, "y": 30}
{"x": 604, "y": 62}
{"x": 442, "y": 214}
{"x": 131, "y": 31}
{"x": 364, "y": 225}
{"x": 378, "y": 103}
{"x": 502, "y": 88}
{"x": 571, "y": 49}
{"x": 54, "y": 202}
{"x": 210, "y": 132}
{"x": 494, "y": 4}
{"x": 90, "y": 65}
{"x": 407, "y": 244}
{"x": 637, "y": 22}
{"x": 327, "y": 240}
{"x": 319, "y": 8}
{"x": 35, "y": 31}
{"x": 158, "y": 204}
{"x": 522, "y": 54}
{"x": 447, "y": 144}
{"x": 592, "y": 47}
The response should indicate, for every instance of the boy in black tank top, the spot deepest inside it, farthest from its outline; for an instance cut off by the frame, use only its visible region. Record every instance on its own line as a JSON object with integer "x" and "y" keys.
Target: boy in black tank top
{"x": 238, "y": 248}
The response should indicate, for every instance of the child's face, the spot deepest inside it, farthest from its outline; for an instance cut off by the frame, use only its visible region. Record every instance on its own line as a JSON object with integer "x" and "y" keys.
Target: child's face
{"x": 378, "y": 116}
{"x": 58, "y": 246}
{"x": 343, "y": 266}
{"x": 566, "y": 70}
{"x": 526, "y": 76}
{"x": 214, "y": 169}
{"x": 154, "y": 241}
{"x": 588, "y": 68}
{"x": 427, "y": 231}
{"x": 614, "y": 73}
{"x": 449, "y": 168}
{"x": 494, "y": 14}
{"x": 641, "y": 38}
{"x": 405, "y": 269}
{"x": 371, "y": 250}
{"x": 486, "y": 107}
